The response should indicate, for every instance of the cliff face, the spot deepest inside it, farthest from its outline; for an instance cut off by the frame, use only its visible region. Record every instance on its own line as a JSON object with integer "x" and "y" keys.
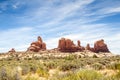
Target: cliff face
{"x": 67, "y": 45}
{"x": 100, "y": 46}
{"x": 37, "y": 45}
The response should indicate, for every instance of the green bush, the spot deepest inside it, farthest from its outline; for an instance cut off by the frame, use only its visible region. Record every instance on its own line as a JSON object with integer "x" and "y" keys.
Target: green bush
{"x": 68, "y": 66}
{"x": 95, "y": 56}
{"x": 88, "y": 75}
{"x": 9, "y": 74}
{"x": 42, "y": 72}
{"x": 97, "y": 66}
{"x": 70, "y": 57}
{"x": 31, "y": 78}
{"x": 3, "y": 74}
{"x": 115, "y": 66}
{"x": 83, "y": 75}
{"x": 25, "y": 70}
{"x": 33, "y": 68}
{"x": 51, "y": 65}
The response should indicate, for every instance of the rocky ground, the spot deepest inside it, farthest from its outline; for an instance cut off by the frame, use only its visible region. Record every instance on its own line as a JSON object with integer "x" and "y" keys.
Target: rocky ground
{"x": 52, "y": 53}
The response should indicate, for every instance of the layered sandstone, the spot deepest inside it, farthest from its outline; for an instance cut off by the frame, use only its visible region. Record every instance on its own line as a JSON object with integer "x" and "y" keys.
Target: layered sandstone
{"x": 99, "y": 46}
{"x": 67, "y": 45}
{"x": 37, "y": 45}
{"x": 89, "y": 48}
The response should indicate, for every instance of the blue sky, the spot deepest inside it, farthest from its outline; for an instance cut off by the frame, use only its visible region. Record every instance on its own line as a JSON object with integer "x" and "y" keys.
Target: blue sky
{"x": 21, "y": 21}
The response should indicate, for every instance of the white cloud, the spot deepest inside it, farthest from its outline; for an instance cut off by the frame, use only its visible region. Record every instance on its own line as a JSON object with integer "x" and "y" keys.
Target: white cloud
{"x": 16, "y": 5}
{"x": 93, "y": 33}
{"x": 109, "y": 10}
{"x": 113, "y": 10}
{"x": 70, "y": 20}
{"x": 14, "y": 38}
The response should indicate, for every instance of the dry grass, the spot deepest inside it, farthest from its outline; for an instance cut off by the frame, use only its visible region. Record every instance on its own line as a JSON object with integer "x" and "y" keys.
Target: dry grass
{"x": 61, "y": 66}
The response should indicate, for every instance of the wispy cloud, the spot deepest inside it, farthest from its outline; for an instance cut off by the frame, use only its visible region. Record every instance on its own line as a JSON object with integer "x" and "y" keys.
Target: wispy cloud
{"x": 15, "y": 38}
{"x": 53, "y": 19}
{"x": 16, "y": 5}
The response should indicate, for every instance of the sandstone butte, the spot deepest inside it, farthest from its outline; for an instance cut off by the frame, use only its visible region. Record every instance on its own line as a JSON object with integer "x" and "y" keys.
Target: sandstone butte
{"x": 37, "y": 45}
{"x": 67, "y": 45}
{"x": 100, "y": 46}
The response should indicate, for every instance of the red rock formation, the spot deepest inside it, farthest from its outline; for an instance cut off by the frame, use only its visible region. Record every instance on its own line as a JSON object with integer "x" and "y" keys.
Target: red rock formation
{"x": 12, "y": 50}
{"x": 37, "y": 46}
{"x": 66, "y": 45}
{"x": 43, "y": 46}
{"x": 89, "y": 48}
{"x": 100, "y": 46}
{"x": 78, "y": 42}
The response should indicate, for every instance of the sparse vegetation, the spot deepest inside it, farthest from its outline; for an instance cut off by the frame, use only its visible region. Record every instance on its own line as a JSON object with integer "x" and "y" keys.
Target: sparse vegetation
{"x": 97, "y": 66}
{"x": 68, "y": 67}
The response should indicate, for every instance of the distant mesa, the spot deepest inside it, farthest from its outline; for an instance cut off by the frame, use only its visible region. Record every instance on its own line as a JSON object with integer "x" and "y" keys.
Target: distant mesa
{"x": 89, "y": 48}
{"x": 37, "y": 45}
{"x": 67, "y": 45}
{"x": 12, "y": 50}
{"x": 100, "y": 46}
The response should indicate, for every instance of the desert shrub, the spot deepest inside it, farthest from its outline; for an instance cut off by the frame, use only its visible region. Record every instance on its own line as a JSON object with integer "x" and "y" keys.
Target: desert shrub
{"x": 97, "y": 66}
{"x": 51, "y": 65}
{"x": 31, "y": 78}
{"x": 88, "y": 75}
{"x": 113, "y": 77}
{"x": 103, "y": 62}
{"x": 25, "y": 70}
{"x": 95, "y": 56}
{"x": 42, "y": 72}
{"x": 7, "y": 73}
{"x": 118, "y": 75}
{"x": 29, "y": 58}
{"x": 3, "y": 74}
{"x": 17, "y": 76}
{"x": 83, "y": 75}
{"x": 33, "y": 68}
{"x": 70, "y": 57}
{"x": 36, "y": 58}
{"x": 68, "y": 66}
{"x": 115, "y": 66}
